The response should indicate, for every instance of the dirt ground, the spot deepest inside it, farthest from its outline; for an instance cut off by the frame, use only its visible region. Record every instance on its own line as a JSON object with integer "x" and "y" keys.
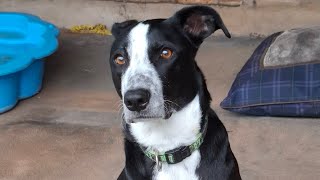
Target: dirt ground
{"x": 71, "y": 129}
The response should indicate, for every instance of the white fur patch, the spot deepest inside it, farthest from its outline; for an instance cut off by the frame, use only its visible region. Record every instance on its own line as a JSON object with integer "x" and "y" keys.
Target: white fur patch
{"x": 142, "y": 74}
{"x": 162, "y": 135}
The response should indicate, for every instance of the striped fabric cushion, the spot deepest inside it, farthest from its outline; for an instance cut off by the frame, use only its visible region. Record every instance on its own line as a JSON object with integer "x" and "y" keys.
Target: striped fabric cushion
{"x": 283, "y": 90}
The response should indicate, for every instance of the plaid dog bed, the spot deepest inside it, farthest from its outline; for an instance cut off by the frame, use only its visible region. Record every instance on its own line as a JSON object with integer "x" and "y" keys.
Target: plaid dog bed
{"x": 281, "y": 78}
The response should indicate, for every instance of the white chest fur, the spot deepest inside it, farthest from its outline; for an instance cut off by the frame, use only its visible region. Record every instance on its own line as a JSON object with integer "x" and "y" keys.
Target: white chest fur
{"x": 185, "y": 170}
{"x": 180, "y": 129}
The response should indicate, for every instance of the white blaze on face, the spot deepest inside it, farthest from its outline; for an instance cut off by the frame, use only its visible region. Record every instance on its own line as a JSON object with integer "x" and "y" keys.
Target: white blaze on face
{"x": 138, "y": 52}
{"x": 141, "y": 74}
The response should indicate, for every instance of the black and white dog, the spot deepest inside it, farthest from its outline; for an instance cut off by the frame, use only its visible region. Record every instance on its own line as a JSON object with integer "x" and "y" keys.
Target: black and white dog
{"x": 171, "y": 133}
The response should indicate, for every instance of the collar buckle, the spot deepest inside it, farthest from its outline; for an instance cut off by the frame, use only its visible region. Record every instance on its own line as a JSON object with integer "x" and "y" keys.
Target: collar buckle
{"x": 158, "y": 162}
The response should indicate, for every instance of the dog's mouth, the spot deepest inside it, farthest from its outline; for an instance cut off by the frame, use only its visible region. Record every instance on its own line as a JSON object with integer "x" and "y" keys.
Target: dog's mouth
{"x": 146, "y": 118}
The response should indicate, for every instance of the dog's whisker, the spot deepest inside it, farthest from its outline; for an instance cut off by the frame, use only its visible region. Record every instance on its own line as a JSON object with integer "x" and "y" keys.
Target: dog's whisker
{"x": 120, "y": 112}
{"x": 168, "y": 101}
{"x": 120, "y": 108}
{"x": 165, "y": 107}
{"x": 117, "y": 104}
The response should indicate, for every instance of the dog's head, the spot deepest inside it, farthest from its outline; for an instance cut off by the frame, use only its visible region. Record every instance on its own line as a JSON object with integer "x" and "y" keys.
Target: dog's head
{"x": 152, "y": 62}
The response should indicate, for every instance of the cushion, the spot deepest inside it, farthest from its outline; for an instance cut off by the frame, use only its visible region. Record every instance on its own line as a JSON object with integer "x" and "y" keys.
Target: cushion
{"x": 281, "y": 78}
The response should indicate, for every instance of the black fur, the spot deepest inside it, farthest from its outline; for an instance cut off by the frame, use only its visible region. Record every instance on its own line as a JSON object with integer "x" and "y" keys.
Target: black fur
{"x": 182, "y": 81}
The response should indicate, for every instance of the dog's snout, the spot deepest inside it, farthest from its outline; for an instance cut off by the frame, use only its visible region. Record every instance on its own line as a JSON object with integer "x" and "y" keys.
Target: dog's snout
{"x": 137, "y": 100}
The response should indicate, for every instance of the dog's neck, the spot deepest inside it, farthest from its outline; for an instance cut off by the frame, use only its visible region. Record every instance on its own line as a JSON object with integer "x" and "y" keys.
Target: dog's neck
{"x": 180, "y": 129}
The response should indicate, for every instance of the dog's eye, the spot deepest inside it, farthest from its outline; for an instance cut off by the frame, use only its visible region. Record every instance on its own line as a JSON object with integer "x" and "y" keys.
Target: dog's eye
{"x": 120, "y": 59}
{"x": 166, "y": 53}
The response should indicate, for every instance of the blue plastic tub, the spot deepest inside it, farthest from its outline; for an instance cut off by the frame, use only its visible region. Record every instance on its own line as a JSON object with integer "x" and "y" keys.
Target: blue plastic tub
{"x": 25, "y": 40}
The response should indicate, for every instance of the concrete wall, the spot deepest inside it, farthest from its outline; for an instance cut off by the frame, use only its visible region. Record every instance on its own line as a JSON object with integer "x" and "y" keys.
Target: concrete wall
{"x": 228, "y": 2}
{"x": 244, "y": 20}
{"x": 206, "y": 2}
{"x": 277, "y": 2}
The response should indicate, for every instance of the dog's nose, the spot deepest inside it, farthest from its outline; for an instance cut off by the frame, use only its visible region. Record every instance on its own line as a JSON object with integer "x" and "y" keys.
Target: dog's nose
{"x": 137, "y": 100}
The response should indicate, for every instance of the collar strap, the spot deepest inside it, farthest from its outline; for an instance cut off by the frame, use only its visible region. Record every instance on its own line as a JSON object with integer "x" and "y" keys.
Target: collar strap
{"x": 178, "y": 154}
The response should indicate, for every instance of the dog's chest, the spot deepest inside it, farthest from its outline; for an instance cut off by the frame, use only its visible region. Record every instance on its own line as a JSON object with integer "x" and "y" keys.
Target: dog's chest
{"x": 185, "y": 170}
{"x": 164, "y": 135}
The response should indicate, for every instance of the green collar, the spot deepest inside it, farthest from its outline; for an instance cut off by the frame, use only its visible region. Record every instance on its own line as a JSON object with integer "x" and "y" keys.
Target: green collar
{"x": 179, "y": 154}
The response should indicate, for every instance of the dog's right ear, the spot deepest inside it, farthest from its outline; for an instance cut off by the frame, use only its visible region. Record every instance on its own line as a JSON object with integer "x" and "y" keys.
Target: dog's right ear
{"x": 119, "y": 29}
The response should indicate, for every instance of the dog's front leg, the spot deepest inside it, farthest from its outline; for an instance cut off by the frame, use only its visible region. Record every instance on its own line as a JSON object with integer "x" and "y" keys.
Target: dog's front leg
{"x": 137, "y": 166}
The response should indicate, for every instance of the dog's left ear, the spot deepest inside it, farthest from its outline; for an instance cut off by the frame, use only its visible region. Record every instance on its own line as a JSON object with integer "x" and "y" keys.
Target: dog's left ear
{"x": 198, "y": 22}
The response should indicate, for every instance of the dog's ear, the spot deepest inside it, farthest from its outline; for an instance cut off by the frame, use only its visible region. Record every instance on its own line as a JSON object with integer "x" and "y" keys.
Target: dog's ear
{"x": 198, "y": 22}
{"x": 119, "y": 29}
